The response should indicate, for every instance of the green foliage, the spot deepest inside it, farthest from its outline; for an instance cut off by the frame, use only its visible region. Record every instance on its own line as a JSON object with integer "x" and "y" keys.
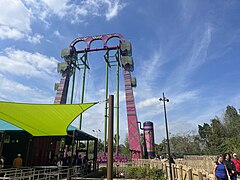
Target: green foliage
{"x": 124, "y": 148}
{"x": 180, "y": 145}
{"x": 220, "y": 136}
{"x": 155, "y": 174}
{"x": 143, "y": 173}
{"x": 132, "y": 173}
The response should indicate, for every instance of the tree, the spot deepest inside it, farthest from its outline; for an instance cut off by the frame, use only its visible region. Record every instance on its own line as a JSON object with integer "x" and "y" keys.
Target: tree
{"x": 124, "y": 148}
{"x": 222, "y": 136}
{"x": 232, "y": 126}
{"x": 232, "y": 121}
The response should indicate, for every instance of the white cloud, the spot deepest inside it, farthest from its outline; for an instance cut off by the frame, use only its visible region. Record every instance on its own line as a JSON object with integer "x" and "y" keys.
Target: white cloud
{"x": 200, "y": 49}
{"x": 59, "y": 8}
{"x": 10, "y": 33}
{"x": 197, "y": 56}
{"x": 76, "y": 12}
{"x": 113, "y": 9}
{"x": 23, "y": 63}
{"x": 14, "y": 19}
{"x": 153, "y": 70}
{"x": 11, "y": 90}
{"x": 15, "y": 15}
{"x": 57, "y": 33}
{"x": 183, "y": 97}
{"x": 15, "y": 22}
{"x": 148, "y": 102}
{"x": 153, "y": 65}
{"x": 36, "y": 39}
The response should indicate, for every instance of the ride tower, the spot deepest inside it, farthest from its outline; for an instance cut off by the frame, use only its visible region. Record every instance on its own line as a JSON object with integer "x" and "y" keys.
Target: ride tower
{"x": 123, "y": 58}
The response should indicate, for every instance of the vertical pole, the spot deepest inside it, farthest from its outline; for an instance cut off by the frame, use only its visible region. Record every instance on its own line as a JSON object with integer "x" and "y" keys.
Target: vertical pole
{"x": 200, "y": 176}
{"x": 73, "y": 143}
{"x": 106, "y": 108}
{"x": 180, "y": 172}
{"x": 87, "y": 148}
{"x": 110, "y": 138}
{"x": 168, "y": 144}
{"x": 28, "y": 151}
{"x": 2, "y": 142}
{"x": 95, "y": 155}
{"x": 73, "y": 83}
{"x": 117, "y": 107}
{"x": 190, "y": 174}
{"x": 83, "y": 86}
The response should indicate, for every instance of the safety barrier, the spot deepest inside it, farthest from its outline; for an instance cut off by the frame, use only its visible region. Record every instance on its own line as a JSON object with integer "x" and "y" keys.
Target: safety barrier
{"x": 43, "y": 173}
{"x": 179, "y": 172}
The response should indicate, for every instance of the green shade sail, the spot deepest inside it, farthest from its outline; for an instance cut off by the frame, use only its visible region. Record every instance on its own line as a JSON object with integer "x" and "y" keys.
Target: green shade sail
{"x": 42, "y": 119}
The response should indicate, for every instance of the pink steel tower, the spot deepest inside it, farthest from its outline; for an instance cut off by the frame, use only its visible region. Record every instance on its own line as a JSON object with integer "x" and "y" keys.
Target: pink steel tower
{"x": 130, "y": 82}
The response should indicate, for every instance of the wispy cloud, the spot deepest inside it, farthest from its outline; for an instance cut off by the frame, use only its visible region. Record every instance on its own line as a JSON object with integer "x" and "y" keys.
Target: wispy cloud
{"x": 15, "y": 20}
{"x": 152, "y": 66}
{"x": 58, "y": 34}
{"x": 35, "y": 39}
{"x": 148, "y": 102}
{"x": 151, "y": 70}
{"x": 23, "y": 63}
{"x": 11, "y": 90}
{"x": 153, "y": 104}
{"x": 200, "y": 49}
{"x": 10, "y": 33}
{"x": 113, "y": 8}
{"x": 196, "y": 57}
{"x": 76, "y": 10}
{"x": 185, "y": 96}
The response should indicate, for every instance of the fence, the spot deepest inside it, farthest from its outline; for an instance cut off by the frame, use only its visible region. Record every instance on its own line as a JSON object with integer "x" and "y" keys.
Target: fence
{"x": 179, "y": 171}
{"x": 44, "y": 173}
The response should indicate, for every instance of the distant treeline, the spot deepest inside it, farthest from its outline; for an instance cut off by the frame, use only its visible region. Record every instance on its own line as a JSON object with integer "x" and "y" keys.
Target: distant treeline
{"x": 220, "y": 136}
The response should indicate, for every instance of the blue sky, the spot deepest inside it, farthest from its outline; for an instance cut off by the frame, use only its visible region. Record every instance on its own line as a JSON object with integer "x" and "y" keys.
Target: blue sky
{"x": 187, "y": 49}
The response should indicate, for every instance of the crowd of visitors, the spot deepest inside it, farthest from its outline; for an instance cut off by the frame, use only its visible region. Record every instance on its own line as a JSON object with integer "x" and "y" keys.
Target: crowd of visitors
{"x": 226, "y": 168}
{"x": 58, "y": 160}
{"x": 68, "y": 160}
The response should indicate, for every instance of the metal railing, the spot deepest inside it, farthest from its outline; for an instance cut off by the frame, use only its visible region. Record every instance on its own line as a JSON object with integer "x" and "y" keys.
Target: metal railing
{"x": 44, "y": 173}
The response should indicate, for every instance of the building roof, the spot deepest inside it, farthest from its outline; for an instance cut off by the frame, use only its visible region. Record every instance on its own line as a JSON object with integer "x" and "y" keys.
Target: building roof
{"x": 80, "y": 135}
{"x": 40, "y": 119}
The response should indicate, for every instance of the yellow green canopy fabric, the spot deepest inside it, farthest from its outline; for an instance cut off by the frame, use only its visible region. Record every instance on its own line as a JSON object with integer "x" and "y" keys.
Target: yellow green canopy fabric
{"x": 42, "y": 119}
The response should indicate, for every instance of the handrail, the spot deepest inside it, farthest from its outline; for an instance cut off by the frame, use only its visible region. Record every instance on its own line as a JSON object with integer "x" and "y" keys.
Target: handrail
{"x": 47, "y": 172}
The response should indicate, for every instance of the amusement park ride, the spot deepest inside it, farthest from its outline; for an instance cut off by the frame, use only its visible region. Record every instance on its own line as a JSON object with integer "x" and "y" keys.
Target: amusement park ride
{"x": 78, "y": 58}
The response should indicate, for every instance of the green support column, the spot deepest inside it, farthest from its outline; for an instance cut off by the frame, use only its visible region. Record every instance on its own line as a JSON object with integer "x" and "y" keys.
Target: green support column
{"x": 117, "y": 103}
{"x": 83, "y": 86}
{"x": 106, "y": 104}
{"x": 71, "y": 101}
{"x": 73, "y": 82}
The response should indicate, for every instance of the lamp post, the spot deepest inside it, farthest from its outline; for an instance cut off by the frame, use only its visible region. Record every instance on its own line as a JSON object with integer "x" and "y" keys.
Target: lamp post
{"x": 164, "y": 99}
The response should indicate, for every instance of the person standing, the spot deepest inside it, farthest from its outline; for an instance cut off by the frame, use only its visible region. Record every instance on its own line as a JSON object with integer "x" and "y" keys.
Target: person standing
{"x": 1, "y": 162}
{"x": 60, "y": 162}
{"x": 236, "y": 161}
{"x": 17, "y": 162}
{"x": 219, "y": 170}
{"x": 230, "y": 166}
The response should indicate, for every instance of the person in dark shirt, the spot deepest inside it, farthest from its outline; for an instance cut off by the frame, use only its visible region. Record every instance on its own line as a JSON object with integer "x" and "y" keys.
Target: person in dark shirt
{"x": 230, "y": 166}
{"x": 79, "y": 160}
